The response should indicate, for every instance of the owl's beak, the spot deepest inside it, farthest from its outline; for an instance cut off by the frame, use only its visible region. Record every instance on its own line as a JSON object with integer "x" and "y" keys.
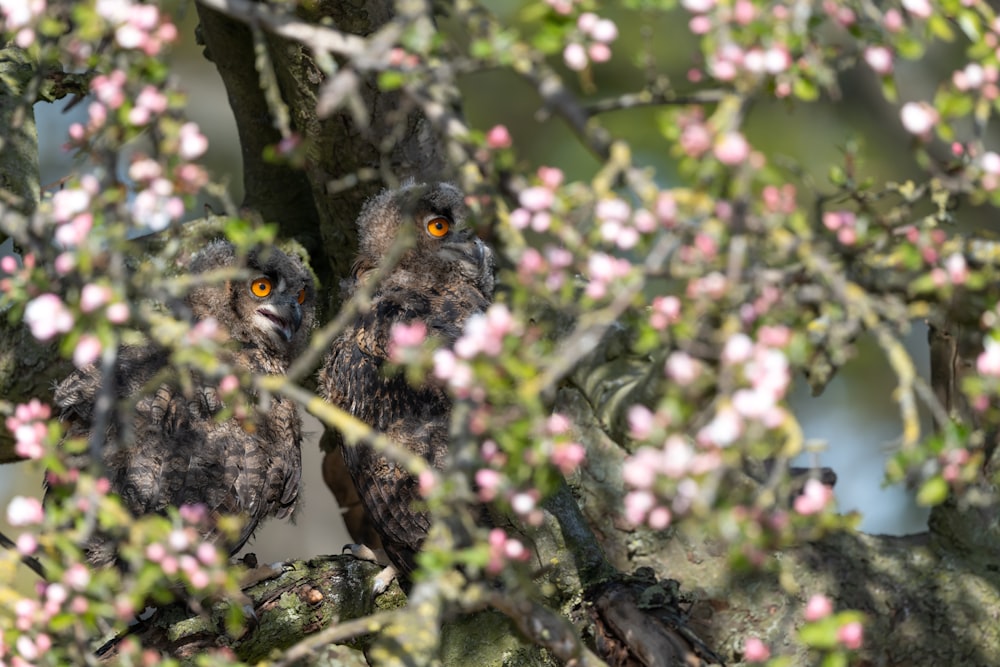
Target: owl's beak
{"x": 286, "y": 318}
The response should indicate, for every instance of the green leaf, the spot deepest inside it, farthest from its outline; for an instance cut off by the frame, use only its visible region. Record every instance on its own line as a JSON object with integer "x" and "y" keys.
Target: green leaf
{"x": 389, "y": 80}
{"x": 933, "y": 492}
{"x": 804, "y": 89}
{"x": 940, "y": 27}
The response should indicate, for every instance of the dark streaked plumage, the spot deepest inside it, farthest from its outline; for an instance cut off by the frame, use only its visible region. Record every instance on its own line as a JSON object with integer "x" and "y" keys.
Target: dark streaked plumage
{"x": 446, "y": 277}
{"x": 171, "y": 448}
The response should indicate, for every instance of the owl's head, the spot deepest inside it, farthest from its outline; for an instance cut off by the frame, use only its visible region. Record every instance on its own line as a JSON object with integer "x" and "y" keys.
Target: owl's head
{"x": 270, "y": 303}
{"x": 443, "y": 244}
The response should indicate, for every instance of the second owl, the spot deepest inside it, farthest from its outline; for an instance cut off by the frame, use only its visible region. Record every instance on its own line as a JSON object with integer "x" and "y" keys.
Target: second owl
{"x": 441, "y": 280}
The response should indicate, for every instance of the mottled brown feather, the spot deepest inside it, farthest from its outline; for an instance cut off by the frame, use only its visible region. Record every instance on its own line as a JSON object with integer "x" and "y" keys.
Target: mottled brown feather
{"x": 440, "y": 282}
{"x": 172, "y": 448}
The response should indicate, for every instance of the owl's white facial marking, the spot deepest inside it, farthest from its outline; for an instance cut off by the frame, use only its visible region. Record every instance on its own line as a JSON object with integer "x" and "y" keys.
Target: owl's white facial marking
{"x": 281, "y": 316}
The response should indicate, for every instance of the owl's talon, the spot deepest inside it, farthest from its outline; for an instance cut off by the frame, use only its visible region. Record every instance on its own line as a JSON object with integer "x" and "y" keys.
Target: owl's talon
{"x": 384, "y": 579}
{"x": 364, "y": 552}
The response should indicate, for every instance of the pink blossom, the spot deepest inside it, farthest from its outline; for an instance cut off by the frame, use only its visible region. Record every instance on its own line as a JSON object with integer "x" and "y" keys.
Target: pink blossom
{"x": 193, "y": 142}
{"x": 229, "y": 384}
{"x": 97, "y": 115}
{"x": 499, "y": 137}
{"x": 73, "y": 233}
{"x": 677, "y": 457}
{"x": 575, "y": 57}
{"x": 47, "y": 316}
{"x": 68, "y": 203}
{"x": 637, "y": 506}
{"x": 604, "y": 30}
{"x": 732, "y": 148}
{"x": 700, "y": 25}
{"x": 698, "y": 6}
{"x": 682, "y": 368}
{"x": 920, "y": 8}
{"x": 427, "y": 480}
{"x": 155, "y": 552}
{"x": 404, "y": 338}
{"x": 93, "y": 296}
{"x": 659, "y": 518}
{"x": 19, "y": 13}
{"x": 818, "y": 607}
{"x": 24, "y": 511}
{"x": 541, "y": 221}
{"x": 814, "y": 497}
{"x": 26, "y": 544}
{"x": 754, "y": 650}
{"x": 893, "y": 20}
{"x": 970, "y": 78}
{"x": 737, "y": 349}
{"x": 990, "y": 163}
{"x": 587, "y": 21}
{"x": 666, "y": 208}
{"x": 958, "y": 270}
{"x": 567, "y": 456}
{"x": 851, "y": 635}
{"x": 613, "y": 209}
{"x": 640, "y": 422}
{"x": 695, "y": 139}
{"x": 8, "y": 264}
{"x": 724, "y": 428}
{"x": 522, "y": 503}
{"x": 988, "y": 362}
{"x": 488, "y": 483}
{"x": 77, "y": 576}
{"x": 87, "y": 349}
{"x": 551, "y": 177}
{"x": 536, "y": 198}
{"x": 777, "y": 60}
{"x": 744, "y": 11}
{"x": 26, "y": 648}
{"x": 561, "y": 6}
{"x": 109, "y": 88}
{"x": 599, "y": 52}
{"x": 639, "y": 470}
{"x": 879, "y": 58}
{"x": 520, "y": 218}
{"x": 918, "y": 117}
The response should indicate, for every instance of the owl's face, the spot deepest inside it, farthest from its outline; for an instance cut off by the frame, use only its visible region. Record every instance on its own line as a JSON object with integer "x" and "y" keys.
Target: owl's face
{"x": 271, "y": 306}
{"x": 444, "y": 247}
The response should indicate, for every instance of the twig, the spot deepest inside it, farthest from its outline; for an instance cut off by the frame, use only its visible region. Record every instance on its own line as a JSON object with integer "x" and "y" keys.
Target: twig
{"x": 339, "y": 632}
{"x": 30, "y": 561}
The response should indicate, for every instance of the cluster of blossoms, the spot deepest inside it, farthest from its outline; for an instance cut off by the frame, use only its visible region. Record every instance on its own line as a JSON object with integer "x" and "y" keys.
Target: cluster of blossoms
{"x": 763, "y": 369}
{"x": 137, "y": 26}
{"x": 596, "y": 35}
{"x": 551, "y": 266}
{"x": 184, "y": 551}
{"x": 556, "y": 446}
{"x": 845, "y": 224}
{"x": 484, "y": 334}
{"x": 504, "y": 549}
{"x": 849, "y": 632}
{"x": 697, "y": 138}
{"x": 29, "y": 424}
{"x": 536, "y": 202}
{"x": 620, "y": 225}
{"x": 20, "y": 17}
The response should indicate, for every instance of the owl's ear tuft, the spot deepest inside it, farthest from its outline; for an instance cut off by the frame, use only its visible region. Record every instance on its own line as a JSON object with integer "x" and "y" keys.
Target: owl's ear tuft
{"x": 216, "y": 254}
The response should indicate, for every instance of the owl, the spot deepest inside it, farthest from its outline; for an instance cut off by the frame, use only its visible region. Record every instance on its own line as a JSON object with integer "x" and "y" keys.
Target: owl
{"x": 166, "y": 444}
{"x": 444, "y": 277}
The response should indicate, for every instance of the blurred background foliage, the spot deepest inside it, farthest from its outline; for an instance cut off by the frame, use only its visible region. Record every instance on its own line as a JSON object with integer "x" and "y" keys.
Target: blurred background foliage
{"x": 851, "y": 427}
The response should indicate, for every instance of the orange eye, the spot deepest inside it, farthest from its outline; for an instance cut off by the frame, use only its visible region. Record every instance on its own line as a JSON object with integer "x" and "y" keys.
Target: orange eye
{"x": 438, "y": 227}
{"x": 261, "y": 287}
{"x": 301, "y": 298}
